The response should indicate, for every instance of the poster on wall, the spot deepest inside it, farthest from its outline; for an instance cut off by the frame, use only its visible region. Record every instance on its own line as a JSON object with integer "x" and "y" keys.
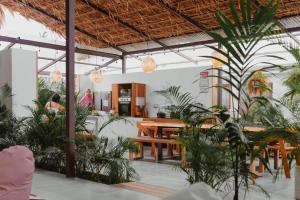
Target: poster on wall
{"x": 204, "y": 82}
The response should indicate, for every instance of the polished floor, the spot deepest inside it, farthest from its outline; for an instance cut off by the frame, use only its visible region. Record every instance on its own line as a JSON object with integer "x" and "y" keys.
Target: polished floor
{"x": 53, "y": 186}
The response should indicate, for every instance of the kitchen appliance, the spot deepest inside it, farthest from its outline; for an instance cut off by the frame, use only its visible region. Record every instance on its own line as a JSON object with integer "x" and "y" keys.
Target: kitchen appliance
{"x": 125, "y": 106}
{"x": 129, "y": 99}
{"x": 125, "y": 102}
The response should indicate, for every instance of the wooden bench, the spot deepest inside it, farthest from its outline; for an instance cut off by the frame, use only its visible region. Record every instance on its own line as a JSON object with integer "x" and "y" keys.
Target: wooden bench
{"x": 153, "y": 141}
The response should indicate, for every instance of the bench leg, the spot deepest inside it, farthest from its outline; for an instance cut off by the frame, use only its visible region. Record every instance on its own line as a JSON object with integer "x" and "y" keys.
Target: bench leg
{"x": 284, "y": 158}
{"x": 155, "y": 153}
{"x": 276, "y": 157}
{"x": 170, "y": 150}
{"x": 183, "y": 154}
{"x": 153, "y": 147}
{"x": 261, "y": 167}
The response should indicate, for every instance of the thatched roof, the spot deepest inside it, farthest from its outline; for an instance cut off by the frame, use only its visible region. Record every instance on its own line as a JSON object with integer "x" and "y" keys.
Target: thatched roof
{"x": 103, "y": 23}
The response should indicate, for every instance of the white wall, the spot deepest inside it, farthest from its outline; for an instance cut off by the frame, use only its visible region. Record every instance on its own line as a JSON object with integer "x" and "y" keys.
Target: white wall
{"x": 279, "y": 89}
{"x": 5, "y": 61}
{"x": 18, "y": 68}
{"x": 157, "y": 81}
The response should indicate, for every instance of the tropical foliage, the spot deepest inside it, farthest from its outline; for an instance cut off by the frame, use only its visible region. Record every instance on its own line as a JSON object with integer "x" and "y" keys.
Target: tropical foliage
{"x": 242, "y": 34}
{"x": 232, "y": 147}
{"x": 10, "y": 127}
{"x": 97, "y": 159}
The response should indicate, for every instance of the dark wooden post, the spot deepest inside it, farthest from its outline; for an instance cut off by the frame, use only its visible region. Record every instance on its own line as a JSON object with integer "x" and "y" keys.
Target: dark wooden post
{"x": 219, "y": 89}
{"x": 70, "y": 120}
{"x": 123, "y": 64}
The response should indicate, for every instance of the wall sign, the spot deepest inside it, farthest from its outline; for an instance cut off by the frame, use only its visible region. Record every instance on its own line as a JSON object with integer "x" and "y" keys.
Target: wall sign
{"x": 204, "y": 82}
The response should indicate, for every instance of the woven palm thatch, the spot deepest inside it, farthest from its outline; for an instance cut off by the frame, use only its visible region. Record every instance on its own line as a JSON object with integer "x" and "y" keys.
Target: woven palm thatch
{"x": 103, "y": 23}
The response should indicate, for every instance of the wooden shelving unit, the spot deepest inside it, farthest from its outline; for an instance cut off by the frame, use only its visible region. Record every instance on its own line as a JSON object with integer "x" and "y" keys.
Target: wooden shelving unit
{"x": 137, "y": 99}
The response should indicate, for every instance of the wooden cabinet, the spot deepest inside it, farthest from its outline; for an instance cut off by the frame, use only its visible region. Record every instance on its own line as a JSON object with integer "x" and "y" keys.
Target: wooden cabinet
{"x": 136, "y": 92}
{"x": 115, "y": 98}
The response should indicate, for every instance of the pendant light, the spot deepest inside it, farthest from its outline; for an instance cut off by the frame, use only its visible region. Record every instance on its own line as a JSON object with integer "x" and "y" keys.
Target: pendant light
{"x": 56, "y": 76}
{"x": 148, "y": 64}
{"x": 96, "y": 76}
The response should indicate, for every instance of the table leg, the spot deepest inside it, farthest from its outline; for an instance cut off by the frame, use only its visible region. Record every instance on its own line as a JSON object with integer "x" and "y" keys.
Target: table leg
{"x": 284, "y": 158}
{"x": 159, "y": 145}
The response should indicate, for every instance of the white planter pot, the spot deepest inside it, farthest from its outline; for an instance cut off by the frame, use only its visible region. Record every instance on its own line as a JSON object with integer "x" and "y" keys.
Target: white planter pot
{"x": 297, "y": 182}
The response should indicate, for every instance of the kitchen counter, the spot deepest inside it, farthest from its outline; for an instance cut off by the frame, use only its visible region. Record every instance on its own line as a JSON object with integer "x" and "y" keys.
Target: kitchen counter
{"x": 124, "y": 128}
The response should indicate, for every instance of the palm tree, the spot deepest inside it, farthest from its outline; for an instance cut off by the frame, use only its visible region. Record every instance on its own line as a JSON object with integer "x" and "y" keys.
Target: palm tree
{"x": 240, "y": 37}
{"x": 241, "y": 34}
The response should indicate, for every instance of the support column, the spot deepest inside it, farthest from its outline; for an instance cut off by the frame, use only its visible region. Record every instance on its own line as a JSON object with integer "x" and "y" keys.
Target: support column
{"x": 219, "y": 82}
{"x": 70, "y": 86}
{"x": 123, "y": 64}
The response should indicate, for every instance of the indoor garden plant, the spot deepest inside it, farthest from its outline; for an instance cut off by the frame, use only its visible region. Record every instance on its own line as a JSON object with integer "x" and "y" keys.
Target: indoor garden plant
{"x": 97, "y": 159}
{"x": 240, "y": 37}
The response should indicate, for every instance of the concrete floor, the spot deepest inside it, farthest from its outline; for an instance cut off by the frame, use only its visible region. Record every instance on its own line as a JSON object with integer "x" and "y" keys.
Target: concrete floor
{"x": 53, "y": 186}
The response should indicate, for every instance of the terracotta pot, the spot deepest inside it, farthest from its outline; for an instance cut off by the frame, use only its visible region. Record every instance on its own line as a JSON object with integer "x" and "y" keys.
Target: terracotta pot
{"x": 297, "y": 182}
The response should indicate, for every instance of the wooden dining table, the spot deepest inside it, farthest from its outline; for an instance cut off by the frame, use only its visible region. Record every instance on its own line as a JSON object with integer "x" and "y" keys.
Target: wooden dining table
{"x": 281, "y": 144}
{"x": 160, "y": 126}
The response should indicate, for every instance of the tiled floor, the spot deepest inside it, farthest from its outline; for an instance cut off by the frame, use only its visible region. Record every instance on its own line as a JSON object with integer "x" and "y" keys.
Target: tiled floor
{"x": 52, "y": 186}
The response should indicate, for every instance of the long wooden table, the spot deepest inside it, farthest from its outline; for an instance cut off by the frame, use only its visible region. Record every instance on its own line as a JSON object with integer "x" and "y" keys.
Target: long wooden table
{"x": 282, "y": 150}
{"x": 162, "y": 125}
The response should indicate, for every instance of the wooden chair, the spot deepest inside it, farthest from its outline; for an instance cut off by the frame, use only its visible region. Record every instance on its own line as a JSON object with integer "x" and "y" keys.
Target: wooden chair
{"x": 283, "y": 149}
{"x": 277, "y": 148}
{"x": 171, "y": 133}
{"x": 148, "y": 131}
{"x": 168, "y": 133}
{"x": 141, "y": 140}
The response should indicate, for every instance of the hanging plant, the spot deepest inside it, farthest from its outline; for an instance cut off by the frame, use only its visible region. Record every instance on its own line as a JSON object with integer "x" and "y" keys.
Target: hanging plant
{"x": 258, "y": 83}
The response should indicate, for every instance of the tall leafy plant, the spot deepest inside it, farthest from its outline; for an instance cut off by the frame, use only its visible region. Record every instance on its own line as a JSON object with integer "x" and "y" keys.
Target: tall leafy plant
{"x": 242, "y": 32}
{"x": 96, "y": 158}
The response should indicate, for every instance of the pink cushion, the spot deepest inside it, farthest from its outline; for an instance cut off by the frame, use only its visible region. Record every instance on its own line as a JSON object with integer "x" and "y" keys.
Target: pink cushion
{"x": 16, "y": 171}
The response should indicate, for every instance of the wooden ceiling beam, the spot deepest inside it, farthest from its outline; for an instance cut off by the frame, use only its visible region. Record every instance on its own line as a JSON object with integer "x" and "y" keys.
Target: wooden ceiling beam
{"x": 131, "y": 27}
{"x": 103, "y": 65}
{"x": 56, "y": 47}
{"x": 52, "y": 63}
{"x": 280, "y": 25}
{"x": 186, "y": 18}
{"x": 40, "y": 10}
